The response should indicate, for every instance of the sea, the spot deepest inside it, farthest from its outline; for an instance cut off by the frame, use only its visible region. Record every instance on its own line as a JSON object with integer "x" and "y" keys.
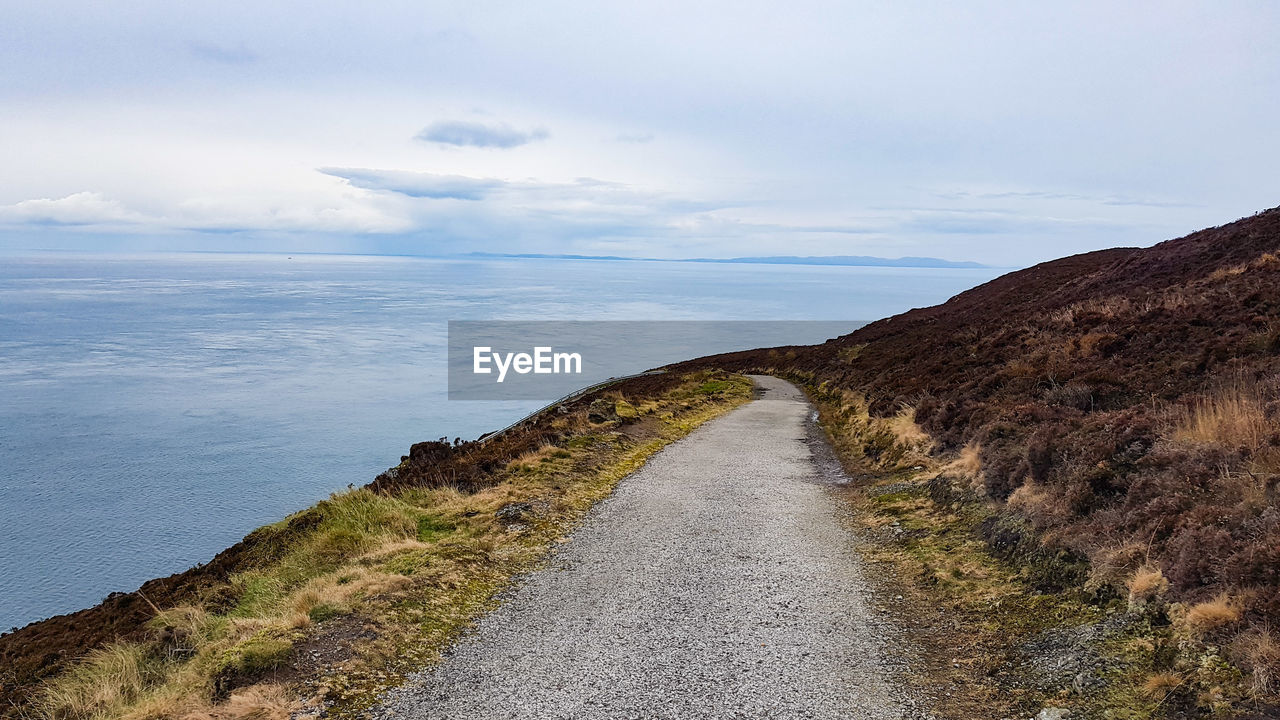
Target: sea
{"x": 156, "y": 408}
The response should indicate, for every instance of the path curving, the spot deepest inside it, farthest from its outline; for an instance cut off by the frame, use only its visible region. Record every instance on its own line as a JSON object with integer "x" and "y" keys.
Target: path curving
{"x": 716, "y": 582}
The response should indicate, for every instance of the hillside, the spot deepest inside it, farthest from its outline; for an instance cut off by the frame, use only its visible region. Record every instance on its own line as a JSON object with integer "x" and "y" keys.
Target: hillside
{"x": 1126, "y": 403}
{"x": 1112, "y": 418}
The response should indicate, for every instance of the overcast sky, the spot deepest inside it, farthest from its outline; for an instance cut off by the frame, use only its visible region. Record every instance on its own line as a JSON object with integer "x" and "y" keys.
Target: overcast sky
{"x": 1005, "y": 133}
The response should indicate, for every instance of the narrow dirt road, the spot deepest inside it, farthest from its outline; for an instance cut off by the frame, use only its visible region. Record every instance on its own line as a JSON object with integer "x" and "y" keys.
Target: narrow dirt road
{"x": 716, "y": 582}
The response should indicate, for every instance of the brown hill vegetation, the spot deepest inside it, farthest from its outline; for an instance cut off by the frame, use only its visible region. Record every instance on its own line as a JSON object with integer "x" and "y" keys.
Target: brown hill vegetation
{"x": 1126, "y": 402}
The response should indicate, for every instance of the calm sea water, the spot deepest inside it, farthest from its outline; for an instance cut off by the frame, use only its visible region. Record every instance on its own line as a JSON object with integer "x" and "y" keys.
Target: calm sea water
{"x": 154, "y": 409}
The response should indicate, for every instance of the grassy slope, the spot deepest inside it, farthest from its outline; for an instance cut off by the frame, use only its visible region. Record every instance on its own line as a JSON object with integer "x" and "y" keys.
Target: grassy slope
{"x": 1005, "y": 625}
{"x": 339, "y": 601}
{"x": 1106, "y": 427}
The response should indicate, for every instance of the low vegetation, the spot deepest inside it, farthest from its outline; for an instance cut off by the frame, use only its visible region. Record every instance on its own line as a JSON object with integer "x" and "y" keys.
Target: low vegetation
{"x": 966, "y": 606}
{"x": 1008, "y": 625}
{"x": 1231, "y": 416}
{"x": 332, "y": 605}
{"x": 1118, "y": 412}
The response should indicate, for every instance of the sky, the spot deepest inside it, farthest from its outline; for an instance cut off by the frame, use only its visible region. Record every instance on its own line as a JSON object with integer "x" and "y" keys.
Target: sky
{"x": 1004, "y": 133}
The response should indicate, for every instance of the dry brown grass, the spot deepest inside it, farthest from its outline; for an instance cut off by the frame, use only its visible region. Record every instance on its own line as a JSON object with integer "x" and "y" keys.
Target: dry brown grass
{"x": 1019, "y": 367}
{"x": 1119, "y": 308}
{"x": 1108, "y": 307}
{"x": 851, "y": 353}
{"x": 1266, "y": 462}
{"x": 884, "y": 442}
{"x": 1159, "y": 685}
{"x": 389, "y": 549}
{"x": 1043, "y": 506}
{"x": 194, "y": 624}
{"x": 1266, "y": 261}
{"x": 259, "y": 702}
{"x": 1224, "y": 273}
{"x": 532, "y": 457}
{"x": 1260, "y": 652}
{"x": 107, "y": 680}
{"x": 336, "y": 593}
{"x": 1207, "y": 616}
{"x": 909, "y": 433}
{"x": 1145, "y": 585}
{"x": 128, "y": 681}
{"x": 1232, "y": 417}
{"x": 1113, "y": 565}
{"x": 969, "y": 461}
{"x": 1090, "y": 343}
{"x": 967, "y": 465}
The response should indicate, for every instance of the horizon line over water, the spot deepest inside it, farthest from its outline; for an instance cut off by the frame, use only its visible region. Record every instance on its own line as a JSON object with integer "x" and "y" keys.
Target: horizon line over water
{"x": 785, "y": 260}
{"x": 156, "y": 407}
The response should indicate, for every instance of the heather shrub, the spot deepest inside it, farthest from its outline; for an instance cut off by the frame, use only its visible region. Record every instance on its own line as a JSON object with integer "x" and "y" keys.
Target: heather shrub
{"x": 1047, "y": 569}
{"x": 1002, "y": 456}
{"x": 1099, "y": 343}
{"x": 1195, "y": 556}
{"x": 1077, "y": 395}
{"x": 1040, "y": 454}
{"x": 1044, "y": 507}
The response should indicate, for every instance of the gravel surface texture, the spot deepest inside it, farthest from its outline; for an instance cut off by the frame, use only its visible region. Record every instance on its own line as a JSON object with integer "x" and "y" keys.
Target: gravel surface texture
{"x": 716, "y": 582}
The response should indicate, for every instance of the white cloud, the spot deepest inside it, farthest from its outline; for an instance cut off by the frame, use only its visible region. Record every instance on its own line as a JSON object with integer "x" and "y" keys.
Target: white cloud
{"x": 418, "y": 184}
{"x": 352, "y": 214}
{"x": 82, "y": 208}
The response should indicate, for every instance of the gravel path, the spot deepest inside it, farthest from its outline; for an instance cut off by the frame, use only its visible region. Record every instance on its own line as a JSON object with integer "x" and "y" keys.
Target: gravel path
{"x": 716, "y": 582}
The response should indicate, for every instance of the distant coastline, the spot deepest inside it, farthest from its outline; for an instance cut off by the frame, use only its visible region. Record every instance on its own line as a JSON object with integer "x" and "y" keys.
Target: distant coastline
{"x": 827, "y": 260}
{"x": 840, "y": 260}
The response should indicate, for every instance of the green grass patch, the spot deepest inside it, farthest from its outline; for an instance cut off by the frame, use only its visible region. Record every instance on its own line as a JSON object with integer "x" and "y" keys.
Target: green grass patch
{"x": 432, "y": 528}
{"x": 324, "y": 611}
{"x": 256, "y": 655}
{"x": 712, "y": 386}
{"x": 259, "y": 594}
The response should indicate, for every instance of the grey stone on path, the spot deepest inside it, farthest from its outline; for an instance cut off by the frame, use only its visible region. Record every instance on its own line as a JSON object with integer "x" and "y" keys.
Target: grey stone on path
{"x": 716, "y": 582}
